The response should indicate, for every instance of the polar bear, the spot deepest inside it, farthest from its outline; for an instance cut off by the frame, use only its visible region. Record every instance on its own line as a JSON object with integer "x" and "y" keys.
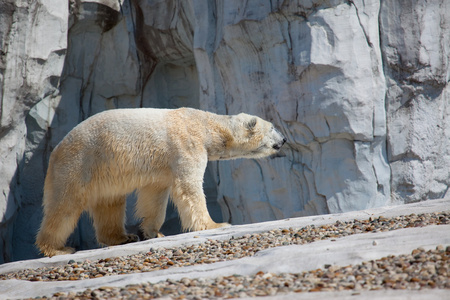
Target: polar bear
{"x": 155, "y": 152}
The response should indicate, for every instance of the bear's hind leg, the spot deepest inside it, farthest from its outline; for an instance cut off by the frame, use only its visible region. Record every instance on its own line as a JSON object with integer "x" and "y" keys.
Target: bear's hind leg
{"x": 151, "y": 208}
{"x": 58, "y": 223}
{"x": 109, "y": 221}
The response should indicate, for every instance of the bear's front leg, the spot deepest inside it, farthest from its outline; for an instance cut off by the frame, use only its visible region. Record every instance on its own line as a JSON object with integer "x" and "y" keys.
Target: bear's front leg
{"x": 190, "y": 201}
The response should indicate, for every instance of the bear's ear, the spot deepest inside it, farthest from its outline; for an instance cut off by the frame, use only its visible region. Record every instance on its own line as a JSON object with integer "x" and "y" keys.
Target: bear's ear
{"x": 251, "y": 124}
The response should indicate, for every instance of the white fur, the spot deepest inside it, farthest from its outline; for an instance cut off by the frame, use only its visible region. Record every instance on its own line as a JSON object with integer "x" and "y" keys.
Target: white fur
{"x": 157, "y": 152}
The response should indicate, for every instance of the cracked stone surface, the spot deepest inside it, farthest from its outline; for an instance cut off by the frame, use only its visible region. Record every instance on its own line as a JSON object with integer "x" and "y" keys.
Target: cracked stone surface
{"x": 359, "y": 88}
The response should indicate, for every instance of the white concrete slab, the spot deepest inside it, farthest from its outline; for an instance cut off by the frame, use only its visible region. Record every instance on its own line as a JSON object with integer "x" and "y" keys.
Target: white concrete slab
{"x": 291, "y": 259}
{"x": 226, "y": 233}
{"x": 363, "y": 295}
{"x": 343, "y": 251}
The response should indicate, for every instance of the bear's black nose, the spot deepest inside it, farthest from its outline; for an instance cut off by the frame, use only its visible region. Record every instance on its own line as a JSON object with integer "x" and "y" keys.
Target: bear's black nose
{"x": 279, "y": 145}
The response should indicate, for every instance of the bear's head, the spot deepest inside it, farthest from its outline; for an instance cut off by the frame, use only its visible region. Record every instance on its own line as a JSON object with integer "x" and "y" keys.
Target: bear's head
{"x": 254, "y": 137}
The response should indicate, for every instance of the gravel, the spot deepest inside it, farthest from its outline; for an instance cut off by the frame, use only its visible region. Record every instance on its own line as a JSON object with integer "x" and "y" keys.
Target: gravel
{"x": 419, "y": 270}
{"x": 221, "y": 250}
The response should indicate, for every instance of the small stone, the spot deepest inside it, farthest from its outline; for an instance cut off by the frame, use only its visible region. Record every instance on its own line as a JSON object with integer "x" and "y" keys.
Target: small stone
{"x": 333, "y": 268}
{"x": 37, "y": 278}
{"x": 96, "y": 293}
{"x": 431, "y": 269}
{"x": 179, "y": 252}
{"x": 415, "y": 252}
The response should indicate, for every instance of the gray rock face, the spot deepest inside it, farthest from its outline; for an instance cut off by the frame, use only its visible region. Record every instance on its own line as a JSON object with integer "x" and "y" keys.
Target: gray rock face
{"x": 360, "y": 88}
{"x": 33, "y": 42}
{"x": 417, "y": 71}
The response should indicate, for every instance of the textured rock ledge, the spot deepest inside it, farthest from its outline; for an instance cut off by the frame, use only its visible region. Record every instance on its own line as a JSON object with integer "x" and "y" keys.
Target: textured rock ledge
{"x": 352, "y": 249}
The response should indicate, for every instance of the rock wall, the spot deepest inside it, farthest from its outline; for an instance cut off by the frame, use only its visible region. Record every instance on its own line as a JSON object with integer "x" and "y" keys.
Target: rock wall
{"x": 417, "y": 70}
{"x": 33, "y": 42}
{"x": 360, "y": 88}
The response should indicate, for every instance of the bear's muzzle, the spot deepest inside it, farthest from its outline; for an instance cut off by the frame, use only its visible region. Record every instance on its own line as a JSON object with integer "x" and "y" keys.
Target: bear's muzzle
{"x": 280, "y": 144}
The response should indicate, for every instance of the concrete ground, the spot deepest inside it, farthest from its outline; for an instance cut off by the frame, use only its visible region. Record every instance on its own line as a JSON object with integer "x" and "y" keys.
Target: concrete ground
{"x": 343, "y": 251}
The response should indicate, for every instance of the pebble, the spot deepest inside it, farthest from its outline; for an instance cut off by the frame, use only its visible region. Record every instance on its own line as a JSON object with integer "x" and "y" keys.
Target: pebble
{"x": 417, "y": 270}
{"x": 213, "y": 251}
{"x": 355, "y": 277}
